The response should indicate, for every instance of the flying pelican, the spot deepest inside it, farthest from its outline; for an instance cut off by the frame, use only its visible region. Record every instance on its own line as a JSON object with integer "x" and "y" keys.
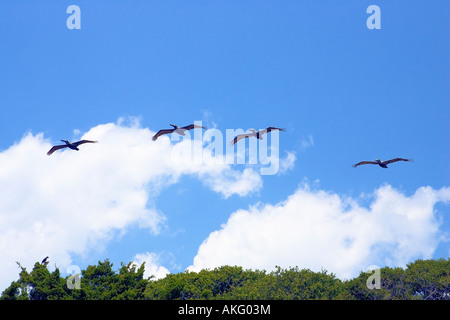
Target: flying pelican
{"x": 382, "y": 164}
{"x": 45, "y": 261}
{"x": 254, "y": 133}
{"x": 71, "y": 145}
{"x": 177, "y": 129}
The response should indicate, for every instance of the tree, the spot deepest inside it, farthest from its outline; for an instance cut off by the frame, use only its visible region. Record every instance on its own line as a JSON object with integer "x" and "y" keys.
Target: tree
{"x": 429, "y": 279}
{"x": 422, "y": 279}
{"x": 18, "y": 290}
{"x": 392, "y": 286}
{"x": 40, "y": 284}
{"x": 100, "y": 282}
{"x": 206, "y": 284}
{"x": 290, "y": 284}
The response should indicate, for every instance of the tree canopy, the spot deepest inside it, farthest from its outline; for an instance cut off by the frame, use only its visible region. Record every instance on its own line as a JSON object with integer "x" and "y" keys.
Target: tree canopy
{"x": 421, "y": 280}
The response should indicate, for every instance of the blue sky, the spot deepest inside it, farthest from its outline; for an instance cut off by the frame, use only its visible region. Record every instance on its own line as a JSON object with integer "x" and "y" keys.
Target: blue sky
{"x": 343, "y": 92}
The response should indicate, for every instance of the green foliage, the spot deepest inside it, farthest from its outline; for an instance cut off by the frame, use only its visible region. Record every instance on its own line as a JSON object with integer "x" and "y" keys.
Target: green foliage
{"x": 98, "y": 282}
{"x": 422, "y": 279}
{"x": 290, "y": 284}
{"x": 40, "y": 284}
{"x": 392, "y": 286}
{"x": 429, "y": 279}
{"x": 207, "y": 284}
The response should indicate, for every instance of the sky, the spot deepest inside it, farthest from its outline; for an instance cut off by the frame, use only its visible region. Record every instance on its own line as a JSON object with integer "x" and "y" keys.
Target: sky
{"x": 344, "y": 92}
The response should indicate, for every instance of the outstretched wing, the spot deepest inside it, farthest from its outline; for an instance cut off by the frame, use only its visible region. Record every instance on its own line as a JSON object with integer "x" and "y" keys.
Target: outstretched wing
{"x": 395, "y": 160}
{"x": 268, "y": 129}
{"x": 239, "y": 137}
{"x": 54, "y": 148}
{"x": 364, "y": 162}
{"x": 76, "y": 144}
{"x": 162, "y": 132}
{"x": 193, "y": 126}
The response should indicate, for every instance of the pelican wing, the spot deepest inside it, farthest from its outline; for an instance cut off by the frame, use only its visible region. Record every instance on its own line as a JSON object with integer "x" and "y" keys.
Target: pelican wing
{"x": 395, "y": 160}
{"x": 364, "y": 162}
{"x": 54, "y": 148}
{"x": 268, "y": 129}
{"x": 193, "y": 126}
{"x": 162, "y": 132}
{"x": 76, "y": 144}
{"x": 239, "y": 137}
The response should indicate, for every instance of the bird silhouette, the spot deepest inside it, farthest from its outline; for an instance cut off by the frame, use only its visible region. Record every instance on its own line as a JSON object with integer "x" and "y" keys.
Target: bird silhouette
{"x": 68, "y": 144}
{"x": 180, "y": 130}
{"x": 254, "y": 133}
{"x": 382, "y": 164}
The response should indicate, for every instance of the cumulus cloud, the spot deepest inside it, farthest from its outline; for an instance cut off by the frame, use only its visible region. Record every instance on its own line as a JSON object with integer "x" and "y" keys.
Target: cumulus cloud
{"x": 287, "y": 163}
{"x": 152, "y": 265}
{"x": 72, "y": 202}
{"x": 319, "y": 229}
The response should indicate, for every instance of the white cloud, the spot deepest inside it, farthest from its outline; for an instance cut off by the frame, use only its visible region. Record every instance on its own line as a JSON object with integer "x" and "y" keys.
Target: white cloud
{"x": 234, "y": 182}
{"x": 287, "y": 163}
{"x": 72, "y": 202}
{"x": 318, "y": 229}
{"x": 306, "y": 143}
{"x": 152, "y": 265}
